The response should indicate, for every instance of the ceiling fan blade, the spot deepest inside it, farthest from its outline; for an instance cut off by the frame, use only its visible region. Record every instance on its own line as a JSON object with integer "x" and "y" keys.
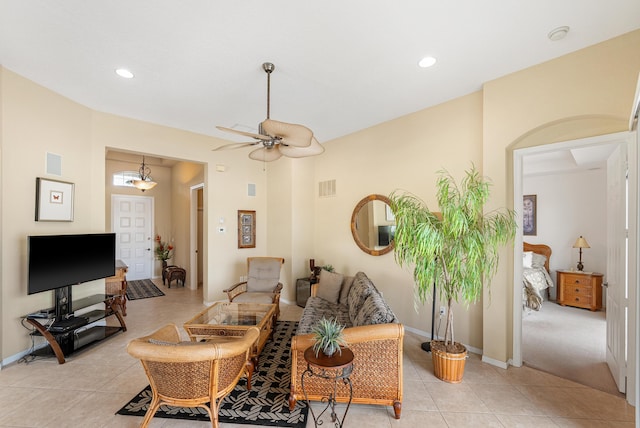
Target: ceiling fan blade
{"x": 246, "y": 134}
{"x": 300, "y": 152}
{"x": 234, "y": 146}
{"x": 289, "y": 133}
{"x": 266, "y": 155}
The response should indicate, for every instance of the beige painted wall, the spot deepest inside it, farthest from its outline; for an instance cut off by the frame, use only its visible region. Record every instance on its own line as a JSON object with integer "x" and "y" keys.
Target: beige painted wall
{"x": 36, "y": 120}
{"x": 401, "y": 154}
{"x": 586, "y": 93}
{"x": 590, "y": 92}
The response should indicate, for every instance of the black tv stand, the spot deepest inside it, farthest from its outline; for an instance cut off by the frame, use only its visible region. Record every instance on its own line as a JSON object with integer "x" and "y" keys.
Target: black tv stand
{"x": 74, "y": 330}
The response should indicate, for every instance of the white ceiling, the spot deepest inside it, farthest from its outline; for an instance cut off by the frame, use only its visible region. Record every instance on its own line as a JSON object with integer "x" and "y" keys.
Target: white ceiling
{"x": 341, "y": 66}
{"x": 567, "y": 160}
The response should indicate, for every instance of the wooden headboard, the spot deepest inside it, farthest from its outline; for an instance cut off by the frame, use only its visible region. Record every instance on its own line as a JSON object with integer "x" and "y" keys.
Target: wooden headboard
{"x": 545, "y": 250}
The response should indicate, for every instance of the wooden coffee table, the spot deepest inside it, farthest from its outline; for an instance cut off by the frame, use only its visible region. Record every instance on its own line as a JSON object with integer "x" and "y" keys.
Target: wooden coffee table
{"x": 229, "y": 321}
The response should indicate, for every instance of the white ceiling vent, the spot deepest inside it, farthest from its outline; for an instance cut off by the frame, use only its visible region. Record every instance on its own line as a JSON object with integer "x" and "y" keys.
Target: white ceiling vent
{"x": 327, "y": 188}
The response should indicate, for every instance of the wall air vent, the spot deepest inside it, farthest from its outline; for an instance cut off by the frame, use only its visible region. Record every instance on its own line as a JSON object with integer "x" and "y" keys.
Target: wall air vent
{"x": 327, "y": 188}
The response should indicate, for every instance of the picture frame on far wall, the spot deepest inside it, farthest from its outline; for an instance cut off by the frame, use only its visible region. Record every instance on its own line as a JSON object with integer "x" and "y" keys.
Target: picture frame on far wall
{"x": 246, "y": 229}
{"x": 529, "y": 215}
{"x": 54, "y": 200}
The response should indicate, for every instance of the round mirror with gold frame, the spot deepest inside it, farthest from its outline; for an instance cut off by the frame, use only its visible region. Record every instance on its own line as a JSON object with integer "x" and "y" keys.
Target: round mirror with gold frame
{"x": 373, "y": 225}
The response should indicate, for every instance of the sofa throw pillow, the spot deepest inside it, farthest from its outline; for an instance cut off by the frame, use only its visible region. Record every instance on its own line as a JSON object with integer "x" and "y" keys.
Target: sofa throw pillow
{"x": 344, "y": 291}
{"x": 360, "y": 290}
{"x": 374, "y": 310}
{"x": 329, "y": 286}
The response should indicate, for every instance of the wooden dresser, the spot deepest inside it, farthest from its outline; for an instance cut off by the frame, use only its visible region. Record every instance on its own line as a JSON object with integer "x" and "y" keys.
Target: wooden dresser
{"x": 580, "y": 289}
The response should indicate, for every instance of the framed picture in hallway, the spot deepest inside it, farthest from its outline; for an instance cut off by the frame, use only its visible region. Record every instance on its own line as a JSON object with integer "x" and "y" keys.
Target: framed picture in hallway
{"x": 529, "y": 215}
{"x": 54, "y": 200}
{"x": 246, "y": 229}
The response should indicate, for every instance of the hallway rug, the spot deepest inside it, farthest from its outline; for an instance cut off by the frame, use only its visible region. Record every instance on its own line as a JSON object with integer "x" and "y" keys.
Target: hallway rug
{"x": 142, "y": 289}
{"x": 267, "y": 404}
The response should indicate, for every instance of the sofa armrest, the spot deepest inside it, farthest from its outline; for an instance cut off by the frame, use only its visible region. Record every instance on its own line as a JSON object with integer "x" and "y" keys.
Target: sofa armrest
{"x": 377, "y": 374}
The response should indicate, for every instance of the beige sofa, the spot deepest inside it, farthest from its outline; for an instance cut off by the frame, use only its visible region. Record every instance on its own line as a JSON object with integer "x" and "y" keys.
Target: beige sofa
{"x": 372, "y": 333}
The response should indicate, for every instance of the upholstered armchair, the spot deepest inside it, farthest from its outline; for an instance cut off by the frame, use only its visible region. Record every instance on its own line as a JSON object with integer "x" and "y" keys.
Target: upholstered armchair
{"x": 262, "y": 285}
{"x": 191, "y": 374}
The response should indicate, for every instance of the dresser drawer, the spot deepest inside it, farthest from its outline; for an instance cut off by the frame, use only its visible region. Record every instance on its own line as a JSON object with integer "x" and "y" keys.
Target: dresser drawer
{"x": 578, "y": 290}
{"x": 577, "y": 299}
{"x": 577, "y": 280}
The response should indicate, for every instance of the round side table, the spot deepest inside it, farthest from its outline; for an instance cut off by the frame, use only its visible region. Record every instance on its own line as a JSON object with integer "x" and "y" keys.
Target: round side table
{"x": 337, "y": 367}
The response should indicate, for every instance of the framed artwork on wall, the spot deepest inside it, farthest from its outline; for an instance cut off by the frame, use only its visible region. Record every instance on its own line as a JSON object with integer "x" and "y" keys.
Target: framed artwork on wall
{"x": 54, "y": 200}
{"x": 529, "y": 215}
{"x": 246, "y": 229}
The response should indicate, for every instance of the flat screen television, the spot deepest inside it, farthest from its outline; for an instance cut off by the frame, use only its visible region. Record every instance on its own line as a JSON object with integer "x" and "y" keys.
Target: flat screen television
{"x": 57, "y": 261}
{"x": 386, "y": 235}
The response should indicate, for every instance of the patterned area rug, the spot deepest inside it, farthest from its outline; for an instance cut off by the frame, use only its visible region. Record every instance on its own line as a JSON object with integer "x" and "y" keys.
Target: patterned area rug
{"x": 142, "y": 289}
{"x": 266, "y": 404}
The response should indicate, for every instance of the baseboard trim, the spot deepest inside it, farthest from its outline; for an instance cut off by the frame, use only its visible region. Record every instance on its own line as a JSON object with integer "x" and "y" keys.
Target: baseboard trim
{"x": 428, "y": 336}
{"x": 493, "y": 362}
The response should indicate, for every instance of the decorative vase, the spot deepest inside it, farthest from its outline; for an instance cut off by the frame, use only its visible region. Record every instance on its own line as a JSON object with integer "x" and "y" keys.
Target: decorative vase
{"x": 448, "y": 365}
{"x": 164, "y": 264}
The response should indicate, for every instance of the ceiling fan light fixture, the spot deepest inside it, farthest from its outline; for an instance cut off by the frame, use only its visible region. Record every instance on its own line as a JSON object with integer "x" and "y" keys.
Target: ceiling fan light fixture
{"x": 264, "y": 154}
{"x": 277, "y": 138}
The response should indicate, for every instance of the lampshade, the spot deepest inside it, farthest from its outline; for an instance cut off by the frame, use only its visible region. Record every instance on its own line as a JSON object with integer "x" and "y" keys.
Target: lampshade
{"x": 581, "y": 243}
{"x": 144, "y": 182}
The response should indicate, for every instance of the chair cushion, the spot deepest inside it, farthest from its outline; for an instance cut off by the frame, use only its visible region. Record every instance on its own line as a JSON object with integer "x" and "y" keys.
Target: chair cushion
{"x": 329, "y": 286}
{"x": 264, "y": 275}
{"x": 259, "y": 297}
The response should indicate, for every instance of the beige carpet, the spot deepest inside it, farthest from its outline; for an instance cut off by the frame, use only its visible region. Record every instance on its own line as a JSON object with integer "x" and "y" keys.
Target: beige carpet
{"x": 568, "y": 342}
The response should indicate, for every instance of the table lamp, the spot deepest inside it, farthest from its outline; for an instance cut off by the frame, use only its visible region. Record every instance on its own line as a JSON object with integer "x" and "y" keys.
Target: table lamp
{"x": 580, "y": 244}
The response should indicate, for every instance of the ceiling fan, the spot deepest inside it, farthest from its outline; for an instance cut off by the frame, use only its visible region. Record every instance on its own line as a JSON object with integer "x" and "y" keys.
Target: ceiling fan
{"x": 276, "y": 138}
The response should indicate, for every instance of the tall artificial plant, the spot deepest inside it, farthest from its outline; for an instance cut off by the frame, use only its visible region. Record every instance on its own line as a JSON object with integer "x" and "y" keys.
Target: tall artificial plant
{"x": 455, "y": 249}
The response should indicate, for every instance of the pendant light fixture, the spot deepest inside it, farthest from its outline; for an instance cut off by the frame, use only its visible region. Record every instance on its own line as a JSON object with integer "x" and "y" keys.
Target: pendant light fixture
{"x": 144, "y": 182}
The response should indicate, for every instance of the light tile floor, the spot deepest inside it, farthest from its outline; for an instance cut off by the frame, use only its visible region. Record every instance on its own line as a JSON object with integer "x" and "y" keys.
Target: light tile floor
{"x": 93, "y": 384}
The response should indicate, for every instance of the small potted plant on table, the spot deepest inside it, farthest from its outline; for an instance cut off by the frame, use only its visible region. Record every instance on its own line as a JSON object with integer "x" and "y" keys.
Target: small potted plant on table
{"x": 455, "y": 250}
{"x": 328, "y": 337}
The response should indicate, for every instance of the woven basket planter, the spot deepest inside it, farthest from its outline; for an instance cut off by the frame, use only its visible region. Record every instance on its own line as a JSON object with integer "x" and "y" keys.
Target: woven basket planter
{"x": 448, "y": 366}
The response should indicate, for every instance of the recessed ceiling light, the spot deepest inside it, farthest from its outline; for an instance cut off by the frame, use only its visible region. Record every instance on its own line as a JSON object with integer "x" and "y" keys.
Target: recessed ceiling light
{"x": 123, "y": 72}
{"x": 427, "y": 62}
{"x": 558, "y": 33}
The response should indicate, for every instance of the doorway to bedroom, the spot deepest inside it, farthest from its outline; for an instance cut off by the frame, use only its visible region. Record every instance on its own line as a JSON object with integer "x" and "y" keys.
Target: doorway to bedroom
{"x": 568, "y": 182}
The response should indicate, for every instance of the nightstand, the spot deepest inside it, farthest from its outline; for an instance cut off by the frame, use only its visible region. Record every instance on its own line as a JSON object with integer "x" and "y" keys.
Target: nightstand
{"x": 580, "y": 289}
{"x": 303, "y": 290}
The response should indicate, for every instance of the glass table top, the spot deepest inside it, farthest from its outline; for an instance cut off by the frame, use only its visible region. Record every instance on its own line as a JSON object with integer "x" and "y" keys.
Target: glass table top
{"x": 224, "y": 313}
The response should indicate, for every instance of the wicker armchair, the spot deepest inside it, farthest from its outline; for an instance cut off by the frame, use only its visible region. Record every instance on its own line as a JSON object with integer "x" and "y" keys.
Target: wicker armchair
{"x": 262, "y": 285}
{"x": 117, "y": 285}
{"x": 190, "y": 374}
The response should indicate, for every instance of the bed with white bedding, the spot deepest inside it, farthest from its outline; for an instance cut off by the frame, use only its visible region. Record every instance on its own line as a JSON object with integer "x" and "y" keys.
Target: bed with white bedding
{"x": 536, "y": 280}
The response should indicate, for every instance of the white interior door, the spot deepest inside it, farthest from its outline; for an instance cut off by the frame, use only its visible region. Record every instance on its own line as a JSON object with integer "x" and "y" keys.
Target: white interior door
{"x": 131, "y": 220}
{"x": 617, "y": 289}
